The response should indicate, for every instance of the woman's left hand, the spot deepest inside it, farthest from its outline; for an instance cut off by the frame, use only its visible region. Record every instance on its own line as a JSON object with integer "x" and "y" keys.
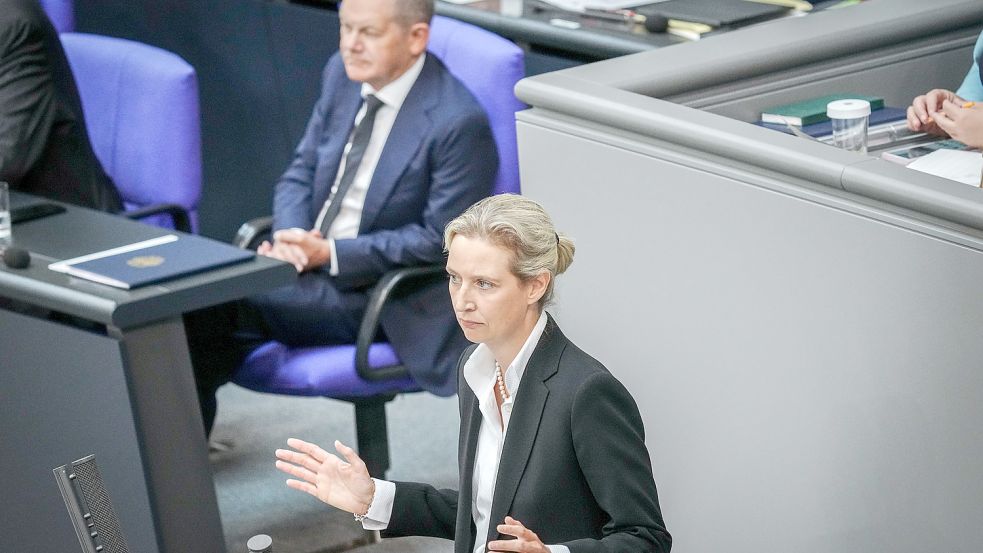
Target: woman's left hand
{"x": 965, "y": 124}
{"x": 525, "y": 539}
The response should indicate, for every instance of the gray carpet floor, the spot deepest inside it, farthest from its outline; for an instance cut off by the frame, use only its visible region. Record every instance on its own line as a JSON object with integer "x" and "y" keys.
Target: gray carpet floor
{"x": 253, "y": 498}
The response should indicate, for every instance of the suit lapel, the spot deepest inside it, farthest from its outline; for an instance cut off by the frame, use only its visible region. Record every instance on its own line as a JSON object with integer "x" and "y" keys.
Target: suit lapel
{"x": 411, "y": 127}
{"x": 525, "y": 422}
{"x": 470, "y": 424}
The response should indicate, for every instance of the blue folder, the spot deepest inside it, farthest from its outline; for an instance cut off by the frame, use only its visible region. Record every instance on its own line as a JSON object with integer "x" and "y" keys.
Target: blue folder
{"x": 153, "y": 261}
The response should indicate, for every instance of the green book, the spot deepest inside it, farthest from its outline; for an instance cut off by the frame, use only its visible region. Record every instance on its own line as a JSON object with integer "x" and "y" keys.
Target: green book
{"x": 811, "y": 111}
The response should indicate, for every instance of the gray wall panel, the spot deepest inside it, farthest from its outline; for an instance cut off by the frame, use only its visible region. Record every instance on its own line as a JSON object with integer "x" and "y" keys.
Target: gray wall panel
{"x": 806, "y": 366}
{"x": 52, "y": 417}
{"x": 799, "y": 325}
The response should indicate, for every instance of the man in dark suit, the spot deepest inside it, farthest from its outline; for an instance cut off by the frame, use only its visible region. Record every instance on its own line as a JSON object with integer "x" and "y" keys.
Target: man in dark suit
{"x": 395, "y": 148}
{"x": 44, "y": 145}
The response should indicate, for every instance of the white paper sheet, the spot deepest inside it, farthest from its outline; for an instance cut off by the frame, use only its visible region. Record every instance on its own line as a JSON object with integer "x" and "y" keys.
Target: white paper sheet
{"x": 957, "y": 165}
{"x": 581, "y": 5}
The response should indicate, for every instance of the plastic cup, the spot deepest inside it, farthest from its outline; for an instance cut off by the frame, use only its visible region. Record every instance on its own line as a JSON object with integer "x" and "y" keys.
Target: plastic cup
{"x": 260, "y": 543}
{"x": 849, "y": 119}
{"x": 5, "y": 236}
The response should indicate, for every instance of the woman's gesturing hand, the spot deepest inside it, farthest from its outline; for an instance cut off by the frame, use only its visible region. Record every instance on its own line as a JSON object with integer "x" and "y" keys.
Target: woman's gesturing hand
{"x": 342, "y": 484}
{"x": 525, "y": 540}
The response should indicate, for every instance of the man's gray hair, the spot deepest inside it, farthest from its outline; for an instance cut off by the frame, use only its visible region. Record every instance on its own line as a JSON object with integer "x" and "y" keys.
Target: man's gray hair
{"x": 411, "y": 12}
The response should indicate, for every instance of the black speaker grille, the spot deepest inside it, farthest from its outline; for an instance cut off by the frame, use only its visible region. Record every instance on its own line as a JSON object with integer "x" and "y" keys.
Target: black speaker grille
{"x": 110, "y": 536}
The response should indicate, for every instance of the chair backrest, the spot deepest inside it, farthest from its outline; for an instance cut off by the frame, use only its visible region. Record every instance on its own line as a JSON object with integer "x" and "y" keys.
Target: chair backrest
{"x": 489, "y": 66}
{"x": 61, "y": 13}
{"x": 141, "y": 110}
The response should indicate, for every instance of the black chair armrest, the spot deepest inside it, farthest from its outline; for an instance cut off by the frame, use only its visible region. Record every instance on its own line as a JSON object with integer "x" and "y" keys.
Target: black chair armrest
{"x": 389, "y": 284}
{"x": 179, "y": 215}
{"x": 252, "y": 232}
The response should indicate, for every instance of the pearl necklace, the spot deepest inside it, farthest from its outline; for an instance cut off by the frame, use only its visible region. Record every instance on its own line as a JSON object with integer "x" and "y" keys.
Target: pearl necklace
{"x": 501, "y": 382}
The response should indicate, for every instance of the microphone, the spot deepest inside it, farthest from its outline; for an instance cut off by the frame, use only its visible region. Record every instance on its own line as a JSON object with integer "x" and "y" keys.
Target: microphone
{"x": 16, "y": 258}
{"x": 656, "y": 23}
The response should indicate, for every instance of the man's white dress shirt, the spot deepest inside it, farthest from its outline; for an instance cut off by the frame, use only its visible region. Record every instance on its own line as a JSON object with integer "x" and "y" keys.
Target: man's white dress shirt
{"x": 349, "y": 218}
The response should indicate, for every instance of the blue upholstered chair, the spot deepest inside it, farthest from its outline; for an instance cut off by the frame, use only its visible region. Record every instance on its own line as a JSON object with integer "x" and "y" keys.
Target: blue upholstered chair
{"x": 141, "y": 110}
{"x": 370, "y": 374}
{"x": 61, "y": 13}
{"x": 489, "y": 66}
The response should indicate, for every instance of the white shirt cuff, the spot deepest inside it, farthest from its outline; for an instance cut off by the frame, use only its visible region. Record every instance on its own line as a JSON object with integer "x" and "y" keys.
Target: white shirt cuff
{"x": 558, "y": 548}
{"x": 381, "y": 508}
{"x": 291, "y": 229}
{"x": 334, "y": 258}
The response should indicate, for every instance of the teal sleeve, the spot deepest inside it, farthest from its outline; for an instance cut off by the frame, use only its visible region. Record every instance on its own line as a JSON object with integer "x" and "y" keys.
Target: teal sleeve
{"x": 972, "y": 88}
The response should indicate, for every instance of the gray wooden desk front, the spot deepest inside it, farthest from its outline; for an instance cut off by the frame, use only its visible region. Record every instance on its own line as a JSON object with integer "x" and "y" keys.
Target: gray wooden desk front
{"x": 801, "y": 327}
{"x": 113, "y": 379}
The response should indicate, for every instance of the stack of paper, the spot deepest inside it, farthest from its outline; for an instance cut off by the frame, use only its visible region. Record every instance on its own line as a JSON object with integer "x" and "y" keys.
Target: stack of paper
{"x": 958, "y": 165}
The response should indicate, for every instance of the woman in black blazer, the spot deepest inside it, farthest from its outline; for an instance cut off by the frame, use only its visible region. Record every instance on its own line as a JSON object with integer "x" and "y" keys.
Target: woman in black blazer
{"x": 551, "y": 452}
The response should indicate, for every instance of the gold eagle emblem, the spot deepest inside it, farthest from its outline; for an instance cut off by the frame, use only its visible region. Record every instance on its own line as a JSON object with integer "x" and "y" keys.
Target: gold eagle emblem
{"x": 144, "y": 261}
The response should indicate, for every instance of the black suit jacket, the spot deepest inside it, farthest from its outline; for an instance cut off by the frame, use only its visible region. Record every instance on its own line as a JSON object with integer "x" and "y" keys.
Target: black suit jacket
{"x": 44, "y": 145}
{"x": 574, "y": 466}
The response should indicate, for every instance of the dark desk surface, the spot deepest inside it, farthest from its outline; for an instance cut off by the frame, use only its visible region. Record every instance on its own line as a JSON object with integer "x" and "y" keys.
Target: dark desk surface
{"x": 530, "y": 21}
{"x": 80, "y": 231}
{"x": 537, "y": 24}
